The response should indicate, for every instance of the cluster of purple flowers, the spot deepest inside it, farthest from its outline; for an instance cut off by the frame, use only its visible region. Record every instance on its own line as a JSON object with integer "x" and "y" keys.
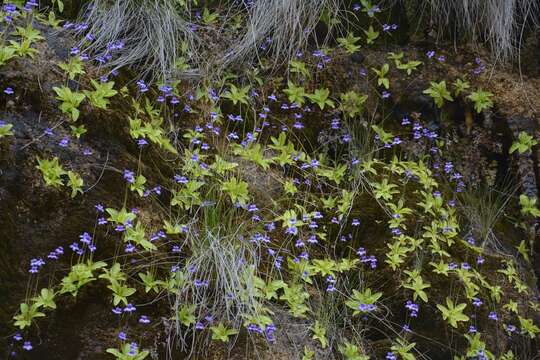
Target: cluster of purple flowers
{"x": 155, "y": 190}
{"x": 364, "y": 258}
{"x": 331, "y": 281}
{"x": 430, "y": 54}
{"x": 101, "y": 59}
{"x": 158, "y": 235}
{"x": 448, "y": 167}
{"x": 370, "y": 10}
{"x": 144, "y": 319}
{"x": 260, "y": 238}
{"x": 142, "y": 86}
{"x": 11, "y": 12}
{"x": 389, "y": 27}
{"x": 79, "y": 250}
{"x": 200, "y": 283}
{"x": 133, "y": 349}
{"x": 27, "y": 345}
{"x": 323, "y": 58}
{"x": 268, "y": 331}
{"x": 100, "y": 209}
{"x": 412, "y": 307}
{"x": 480, "y": 66}
{"x": 129, "y": 176}
{"x": 129, "y": 308}
{"x": 56, "y": 253}
{"x": 202, "y": 324}
{"x": 367, "y": 307}
{"x": 30, "y": 5}
{"x": 35, "y": 265}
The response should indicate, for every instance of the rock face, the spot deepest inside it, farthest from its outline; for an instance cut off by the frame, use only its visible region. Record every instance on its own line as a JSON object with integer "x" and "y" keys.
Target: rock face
{"x": 35, "y": 220}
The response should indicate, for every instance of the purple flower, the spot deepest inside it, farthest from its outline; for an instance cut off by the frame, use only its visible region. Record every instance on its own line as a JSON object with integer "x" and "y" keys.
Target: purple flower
{"x": 278, "y": 261}
{"x": 117, "y": 310}
{"x": 270, "y": 227}
{"x": 254, "y": 328}
{"x": 142, "y": 86}
{"x": 129, "y": 176}
{"x": 133, "y": 349}
{"x": 144, "y": 319}
{"x": 180, "y": 179}
{"x": 480, "y": 260}
{"x": 298, "y": 125}
{"x": 412, "y": 307}
{"x": 430, "y": 54}
{"x": 291, "y": 230}
{"x": 10, "y": 8}
{"x": 9, "y": 91}
{"x": 141, "y": 142}
{"x": 64, "y": 142}
{"x": 36, "y": 264}
{"x": 312, "y": 239}
{"x": 27, "y": 346}
{"x": 493, "y": 316}
{"x": 346, "y": 138}
{"x": 129, "y": 248}
{"x": 74, "y": 247}
{"x": 476, "y": 302}
{"x": 269, "y": 332}
{"x": 122, "y": 336}
{"x": 200, "y": 283}
{"x": 85, "y": 238}
{"x": 366, "y": 307}
{"x": 129, "y": 308}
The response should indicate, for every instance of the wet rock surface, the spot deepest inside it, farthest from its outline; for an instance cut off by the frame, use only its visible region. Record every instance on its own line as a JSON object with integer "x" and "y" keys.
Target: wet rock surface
{"x": 35, "y": 219}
